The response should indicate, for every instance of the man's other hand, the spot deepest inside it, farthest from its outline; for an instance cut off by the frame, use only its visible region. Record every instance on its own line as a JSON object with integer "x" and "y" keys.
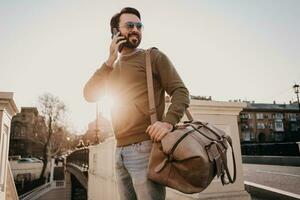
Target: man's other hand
{"x": 158, "y": 130}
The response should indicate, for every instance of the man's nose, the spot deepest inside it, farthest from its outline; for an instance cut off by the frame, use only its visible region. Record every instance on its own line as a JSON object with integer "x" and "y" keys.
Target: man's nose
{"x": 135, "y": 29}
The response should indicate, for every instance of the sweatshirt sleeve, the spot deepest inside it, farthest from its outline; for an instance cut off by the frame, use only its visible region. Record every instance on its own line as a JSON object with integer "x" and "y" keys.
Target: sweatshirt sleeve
{"x": 174, "y": 86}
{"x": 96, "y": 85}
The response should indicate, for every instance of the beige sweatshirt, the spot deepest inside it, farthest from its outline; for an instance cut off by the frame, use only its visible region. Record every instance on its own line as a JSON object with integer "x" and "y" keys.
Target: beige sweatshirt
{"x": 127, "y": 83}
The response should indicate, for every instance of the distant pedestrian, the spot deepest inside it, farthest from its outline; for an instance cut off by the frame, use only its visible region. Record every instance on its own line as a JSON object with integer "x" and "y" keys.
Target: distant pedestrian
{"x": 80, "y": 144}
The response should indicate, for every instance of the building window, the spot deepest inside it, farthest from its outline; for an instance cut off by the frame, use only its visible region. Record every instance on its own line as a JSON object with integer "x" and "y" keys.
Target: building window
{"x": 267, "y": 116}
{"x": 245, "y": 116}
{"x": 244, "y": 127}
{"x": 22, "y": 132}
{"x": 259, "y": 116}
{"x": 292, "y": 117}
{"x": 260, "y": 125}
{"x": 294, "y": 127}
{"x": 16, "y": 131}
{"x": 271, "y": 126}
{"x": 247, "y": 136}
{"x": 261, "y": 137}
{"x": 252, "y": 136}
{"x": 278, "y": 125}
{"x": 278, "y": 116}
{"x": 250, "y": 125}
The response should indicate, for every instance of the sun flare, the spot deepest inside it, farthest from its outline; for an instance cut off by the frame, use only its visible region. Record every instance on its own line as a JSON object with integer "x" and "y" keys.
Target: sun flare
{"x": 105, "y": 105}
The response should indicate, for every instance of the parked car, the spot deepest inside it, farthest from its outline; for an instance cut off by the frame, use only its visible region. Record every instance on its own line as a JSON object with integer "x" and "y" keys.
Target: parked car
{"x": 29, "y": 160}
{"x": 36, "y": 160}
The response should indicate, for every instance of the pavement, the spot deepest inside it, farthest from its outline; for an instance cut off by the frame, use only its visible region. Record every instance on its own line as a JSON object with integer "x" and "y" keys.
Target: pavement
{"x": 285, "y": 178}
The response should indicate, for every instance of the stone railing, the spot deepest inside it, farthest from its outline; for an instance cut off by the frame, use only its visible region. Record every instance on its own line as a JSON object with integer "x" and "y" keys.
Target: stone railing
{"x": 101, "y": 171}
{"x": 222, "y": 114}
{"x": 11, "y": 192}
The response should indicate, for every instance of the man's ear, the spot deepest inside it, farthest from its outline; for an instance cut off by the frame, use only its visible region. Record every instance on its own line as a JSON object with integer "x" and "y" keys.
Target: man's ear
{"x": 114, "y": 32}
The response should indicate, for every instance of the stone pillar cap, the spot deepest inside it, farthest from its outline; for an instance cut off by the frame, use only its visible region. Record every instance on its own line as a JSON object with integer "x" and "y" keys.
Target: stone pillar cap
{"x": 7, "y": 98}
{"x": 217, "y": 107}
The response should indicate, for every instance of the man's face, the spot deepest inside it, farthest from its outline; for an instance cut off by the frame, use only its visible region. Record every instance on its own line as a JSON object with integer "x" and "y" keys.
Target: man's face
{"x": 133, "y": 35}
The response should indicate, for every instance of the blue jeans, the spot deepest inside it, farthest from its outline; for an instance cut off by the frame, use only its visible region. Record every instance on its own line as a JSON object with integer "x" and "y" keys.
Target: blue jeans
{"x": 131, "y": 172}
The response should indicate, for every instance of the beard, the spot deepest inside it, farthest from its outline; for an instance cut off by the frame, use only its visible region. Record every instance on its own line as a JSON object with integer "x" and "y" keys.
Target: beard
{"x": 132, "y": 43}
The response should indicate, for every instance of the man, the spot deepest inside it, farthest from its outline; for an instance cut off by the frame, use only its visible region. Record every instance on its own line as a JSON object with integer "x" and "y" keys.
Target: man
{"x": 123, "y": 76}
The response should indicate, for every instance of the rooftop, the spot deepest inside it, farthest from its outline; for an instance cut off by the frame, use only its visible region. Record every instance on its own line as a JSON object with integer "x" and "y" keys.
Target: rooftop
{"x": 278, "y": 107}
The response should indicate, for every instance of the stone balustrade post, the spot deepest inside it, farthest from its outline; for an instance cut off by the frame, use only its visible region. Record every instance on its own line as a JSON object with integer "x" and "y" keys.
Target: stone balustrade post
{"x": 8, "y": 108}
{"x": 102, "y": 182}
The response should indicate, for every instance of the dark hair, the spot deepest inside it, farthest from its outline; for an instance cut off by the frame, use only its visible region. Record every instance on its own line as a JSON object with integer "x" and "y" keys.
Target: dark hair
{"x": 115, "y": 20}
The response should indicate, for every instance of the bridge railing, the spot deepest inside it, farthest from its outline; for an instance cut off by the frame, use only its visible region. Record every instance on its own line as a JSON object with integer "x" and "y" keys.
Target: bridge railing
{"x": 77, "y": 163}
{"x": 79, "y": 159}
{"x": 36, "y": 193}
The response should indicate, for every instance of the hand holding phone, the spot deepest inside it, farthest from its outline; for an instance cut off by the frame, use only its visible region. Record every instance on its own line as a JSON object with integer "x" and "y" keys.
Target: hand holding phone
{"x": 115, "y": 46}
{"x": 115, "y": 32}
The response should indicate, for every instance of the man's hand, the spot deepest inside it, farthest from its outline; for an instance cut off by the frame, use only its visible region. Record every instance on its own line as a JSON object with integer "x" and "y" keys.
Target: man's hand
{"x": 158, "y": 130}
{"x": 113, "y": 49}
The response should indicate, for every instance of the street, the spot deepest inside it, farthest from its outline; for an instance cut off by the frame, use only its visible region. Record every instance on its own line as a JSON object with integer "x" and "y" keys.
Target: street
{"x": 285, "y": 178}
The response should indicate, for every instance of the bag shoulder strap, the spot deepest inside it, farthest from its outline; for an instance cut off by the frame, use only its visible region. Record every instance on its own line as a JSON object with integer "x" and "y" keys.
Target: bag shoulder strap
{"x": 152, "y": 108}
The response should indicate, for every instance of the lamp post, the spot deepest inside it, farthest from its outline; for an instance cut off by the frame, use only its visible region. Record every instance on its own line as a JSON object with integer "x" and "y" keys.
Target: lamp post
{"x": 68, "y": 143}
{"x": 96, "y": 127}
{"x": 296, "y": 89}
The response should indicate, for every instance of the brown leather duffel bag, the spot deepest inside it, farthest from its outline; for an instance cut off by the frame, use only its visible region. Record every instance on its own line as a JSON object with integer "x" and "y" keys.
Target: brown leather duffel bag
{"x": 188, "y": 158}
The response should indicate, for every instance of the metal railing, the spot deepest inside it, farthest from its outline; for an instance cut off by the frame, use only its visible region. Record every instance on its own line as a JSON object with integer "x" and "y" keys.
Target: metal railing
{"x": 36, "y": 193}
{"x": 39, "y": 191}
{"x": 77, "y": 163}
{"x": 80, "y": 159}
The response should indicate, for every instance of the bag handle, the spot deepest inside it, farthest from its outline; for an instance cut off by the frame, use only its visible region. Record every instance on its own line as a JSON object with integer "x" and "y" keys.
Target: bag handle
{"x": 222, "y": 155}
{"x": 224, "y": 158}
{"x": 152, "y": 108}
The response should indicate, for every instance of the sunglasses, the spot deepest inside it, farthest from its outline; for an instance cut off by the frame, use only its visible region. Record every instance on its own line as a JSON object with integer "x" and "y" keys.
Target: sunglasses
{"x": 130, "y": 25}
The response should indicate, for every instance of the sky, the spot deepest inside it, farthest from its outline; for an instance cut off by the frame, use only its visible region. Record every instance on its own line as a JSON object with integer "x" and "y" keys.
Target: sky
{"x": 248, "y": 50}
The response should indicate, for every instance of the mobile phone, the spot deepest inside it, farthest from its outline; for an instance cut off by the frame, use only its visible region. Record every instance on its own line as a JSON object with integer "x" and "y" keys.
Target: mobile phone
{"x": 115, "y": 31}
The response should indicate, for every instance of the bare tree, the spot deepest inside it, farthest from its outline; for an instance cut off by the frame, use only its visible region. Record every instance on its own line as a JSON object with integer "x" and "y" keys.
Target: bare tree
{"x": 53, "y": 110}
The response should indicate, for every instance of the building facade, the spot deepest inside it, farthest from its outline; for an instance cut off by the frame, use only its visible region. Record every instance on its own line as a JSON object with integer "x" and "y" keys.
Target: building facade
{"x": 103, "y": 129}
{"x": 269, "y": 123}
{"x": 27, "y": 129}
